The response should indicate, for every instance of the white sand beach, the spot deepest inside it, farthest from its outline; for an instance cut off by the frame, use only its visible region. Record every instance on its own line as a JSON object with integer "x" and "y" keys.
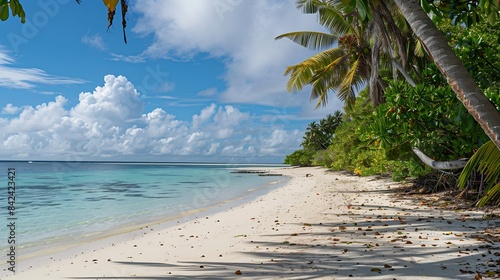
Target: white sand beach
{"x": 328, "y": 225}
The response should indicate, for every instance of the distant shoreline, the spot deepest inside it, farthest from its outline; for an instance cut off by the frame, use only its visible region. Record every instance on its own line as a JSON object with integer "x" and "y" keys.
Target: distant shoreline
{"x": 149, "y": 162}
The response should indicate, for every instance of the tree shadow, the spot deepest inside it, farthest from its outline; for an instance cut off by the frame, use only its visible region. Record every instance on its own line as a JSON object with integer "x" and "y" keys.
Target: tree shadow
{"x": 369, "y": 242}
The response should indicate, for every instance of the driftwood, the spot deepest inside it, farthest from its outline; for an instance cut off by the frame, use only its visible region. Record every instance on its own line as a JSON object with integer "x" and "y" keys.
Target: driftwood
{"x": 440, "y": 165}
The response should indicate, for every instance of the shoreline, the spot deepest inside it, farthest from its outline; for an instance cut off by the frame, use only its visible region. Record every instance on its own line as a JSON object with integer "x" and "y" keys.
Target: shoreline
{"x": 44, "y": 254}
{"x": 325, "y": 226}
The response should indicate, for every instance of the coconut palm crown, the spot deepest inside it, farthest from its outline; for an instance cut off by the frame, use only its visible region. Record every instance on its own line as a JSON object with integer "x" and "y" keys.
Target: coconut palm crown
{"x": 353, "y": 51}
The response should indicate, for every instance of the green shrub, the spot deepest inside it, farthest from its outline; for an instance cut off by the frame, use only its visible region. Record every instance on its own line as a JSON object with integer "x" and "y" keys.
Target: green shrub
{"x": 352, "y": 147}
{"x": 428, "y": 117}
{"x": 299, "y": 158}
{"x": 323, "y": 158}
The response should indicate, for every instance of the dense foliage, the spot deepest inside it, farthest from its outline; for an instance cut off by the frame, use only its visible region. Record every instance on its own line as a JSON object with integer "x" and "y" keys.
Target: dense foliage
{"x": 478, "y": 47}
{"x": 319, "y": 136}
{"x": 426, "y": 115}
{"x": 299, "y": 158}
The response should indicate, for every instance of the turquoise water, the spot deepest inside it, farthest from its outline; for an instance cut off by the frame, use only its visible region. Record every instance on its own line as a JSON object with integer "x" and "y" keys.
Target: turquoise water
{"x": 60, "y": 202}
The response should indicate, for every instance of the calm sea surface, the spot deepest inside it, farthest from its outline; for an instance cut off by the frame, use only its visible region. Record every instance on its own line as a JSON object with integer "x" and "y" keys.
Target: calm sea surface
{"x": 60, "y": 202}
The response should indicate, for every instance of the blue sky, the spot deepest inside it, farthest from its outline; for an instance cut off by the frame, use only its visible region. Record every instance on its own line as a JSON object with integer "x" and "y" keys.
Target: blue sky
{"x": 199, "y": 80}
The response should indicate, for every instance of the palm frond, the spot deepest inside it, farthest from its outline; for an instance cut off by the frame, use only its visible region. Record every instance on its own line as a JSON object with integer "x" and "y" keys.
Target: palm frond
{"x": 351, "y": 83}
{"x": 302, "y": 73}
{"x": 333, "y": 72}
{"x": 308, "y": 6}
{"x": 300, "y": 76}
{"x": 335, "y": 21}
{"x": 322, "y": 81}
{"x": 486, "y": 160}
{"x": 419, "y": 49}
{"x": 330, "y": 14}
{"x": 493, "y": 195}
{"x": 328, "y": 77}
{"x": 310, "y": 39}
{"x": 320, "y": 91}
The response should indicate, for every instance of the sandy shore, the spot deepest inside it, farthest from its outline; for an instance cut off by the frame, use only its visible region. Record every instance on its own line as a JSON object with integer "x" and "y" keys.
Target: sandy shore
{"x": 325, "y": 226}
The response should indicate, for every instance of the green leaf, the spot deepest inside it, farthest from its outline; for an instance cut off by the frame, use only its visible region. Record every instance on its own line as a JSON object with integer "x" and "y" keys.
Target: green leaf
{"x": 486, "y": 160}
{"x": 361, "y": 9}
{"x": 310, "y": 39}
{"x": 426, "y": 6}
{"x": 4, "y": 12}
{"x": 14, "y": 7}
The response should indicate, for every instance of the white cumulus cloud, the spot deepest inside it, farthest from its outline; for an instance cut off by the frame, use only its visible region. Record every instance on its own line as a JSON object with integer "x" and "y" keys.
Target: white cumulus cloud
{"x": 110, "y": 122}
{"x": 240, "y": 32}
{"x": 10, "y": 109}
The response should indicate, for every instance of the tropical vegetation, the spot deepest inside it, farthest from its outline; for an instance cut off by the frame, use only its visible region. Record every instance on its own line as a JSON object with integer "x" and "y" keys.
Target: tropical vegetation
{"x": 317, "y": 138}
{"x": 434, "y": 88}
{"x": 412, "y": 78}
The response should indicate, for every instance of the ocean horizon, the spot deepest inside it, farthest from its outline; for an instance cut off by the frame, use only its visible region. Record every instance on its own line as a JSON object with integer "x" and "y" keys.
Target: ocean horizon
{"x": 58, "y": 203}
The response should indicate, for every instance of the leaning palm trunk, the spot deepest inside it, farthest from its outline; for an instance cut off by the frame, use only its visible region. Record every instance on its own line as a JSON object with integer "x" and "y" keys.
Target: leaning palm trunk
{"x": 452, "y": 68}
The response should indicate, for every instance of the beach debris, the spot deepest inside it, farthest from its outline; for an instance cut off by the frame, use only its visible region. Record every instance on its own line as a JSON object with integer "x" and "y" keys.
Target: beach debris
{"x": 238, "y": 272}
{"x": 243, "y": 171}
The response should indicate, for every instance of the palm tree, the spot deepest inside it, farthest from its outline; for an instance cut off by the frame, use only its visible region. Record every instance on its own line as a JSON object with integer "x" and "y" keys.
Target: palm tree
{"x": 319, "y": 136}
{"x": 344, "y": 68}
{"x": 340, "y": 68}
{"x": 311, "y": 137}
{"x": 353, "y": 51}
{"x": 452, "y": 68}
